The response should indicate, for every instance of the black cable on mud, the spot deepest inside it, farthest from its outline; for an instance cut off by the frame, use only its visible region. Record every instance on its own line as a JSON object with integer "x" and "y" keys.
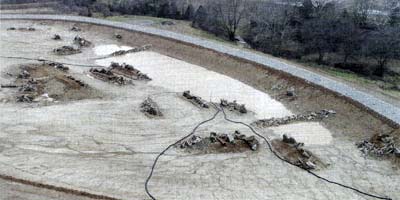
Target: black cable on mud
{"x": 45, "y": 60}
{"x": 270, "y": 148}
{"x": 146, "y": 185}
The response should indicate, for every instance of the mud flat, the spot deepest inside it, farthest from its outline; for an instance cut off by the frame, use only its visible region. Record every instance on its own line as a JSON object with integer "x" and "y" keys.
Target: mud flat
{"x": 107, "y": 146}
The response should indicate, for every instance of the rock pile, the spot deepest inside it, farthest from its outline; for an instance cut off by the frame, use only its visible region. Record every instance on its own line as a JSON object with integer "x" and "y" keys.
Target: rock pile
{"x": 293, "y": 152}
{"x": 66, "y": 50}
{"x": 108, "y": 76}
{"x": 313, "y": 116}
{"x": 82, "y": 42}
{"x": 128, "y": 71}
{"x": 149, "y": 107}
{"x": 235, "y": 140}
{"x": 195, "y": 99}
{"x": 233, "y": 106}
{"x": 133, "y": 50}
{"x": 379, "y": 145}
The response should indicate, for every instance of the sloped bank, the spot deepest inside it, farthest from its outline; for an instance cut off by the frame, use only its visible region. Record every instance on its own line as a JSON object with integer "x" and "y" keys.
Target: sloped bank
{"x": 234, "y": 62}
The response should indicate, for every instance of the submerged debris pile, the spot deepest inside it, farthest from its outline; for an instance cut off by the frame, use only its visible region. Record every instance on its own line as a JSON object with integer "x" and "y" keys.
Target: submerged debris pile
{"x": 293, "y": 152}
{"x": 108, "y": 76}
{"x": 150, "y": 108}
{"x": 128, "y": 71}
{"x": 195, "y": 99}
{"x": 66, "y": 50}
{"x": 313, "y": 116}
{"x": 233, "y": 106}
{"x": 82, "y": 42}
{"x": 221, "y": 142}
{"x": 379, "y": 145}
{"x": 133, "y": 50}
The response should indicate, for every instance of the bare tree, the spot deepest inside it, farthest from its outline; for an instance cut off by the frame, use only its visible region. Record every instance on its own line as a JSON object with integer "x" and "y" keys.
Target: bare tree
{"x": 229, "y": 14}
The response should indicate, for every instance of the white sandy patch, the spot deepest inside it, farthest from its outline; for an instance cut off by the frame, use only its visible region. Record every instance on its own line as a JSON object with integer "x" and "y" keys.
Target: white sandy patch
{"x": 104, "y": 50}
{"x": 309, "y": 133}
{"x": 178, "y": 76}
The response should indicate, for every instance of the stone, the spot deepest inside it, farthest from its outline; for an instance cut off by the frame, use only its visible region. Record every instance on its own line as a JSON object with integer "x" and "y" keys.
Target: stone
{"x": 82, "y": 42}
{"x": 288, "y": 140}
{"x": 118, "y": 36}
{"x": 74, "y": 28}
{"x": 56, "y": 37}
{"x": 290, "y": 92}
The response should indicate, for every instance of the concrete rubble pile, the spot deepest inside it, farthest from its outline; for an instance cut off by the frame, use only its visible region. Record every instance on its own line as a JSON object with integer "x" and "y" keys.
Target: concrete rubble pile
{"x": 223, "y": 140}
{"x": 195, "y": 99}
{"x": 81, "y": 42}
{"x": 379, "y": 145}
{"x": 66, "y": 50}
{"x": 313, "y": 116}
{"x": 128, "y": 71}
{"x": 59, "y": 66}
{"x": 304, "y": 158}
{"x": 108, "y": 76}
{"x": 151, "y": 108}
{"x": 233, "y": 106}
{"x": 133, "y": 50}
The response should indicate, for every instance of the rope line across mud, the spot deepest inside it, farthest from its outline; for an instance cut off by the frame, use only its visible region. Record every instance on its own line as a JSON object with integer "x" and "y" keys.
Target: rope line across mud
{"x": 269, "y": 147}
{"x": 45, "y": 60}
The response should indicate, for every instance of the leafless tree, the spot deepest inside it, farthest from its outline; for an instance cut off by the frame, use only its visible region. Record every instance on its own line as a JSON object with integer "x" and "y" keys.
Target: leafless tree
{"x": 229, "y": 14}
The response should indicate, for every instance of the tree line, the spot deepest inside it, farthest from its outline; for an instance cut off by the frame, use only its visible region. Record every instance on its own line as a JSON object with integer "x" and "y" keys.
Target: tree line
{"x": 352, "y": 38}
